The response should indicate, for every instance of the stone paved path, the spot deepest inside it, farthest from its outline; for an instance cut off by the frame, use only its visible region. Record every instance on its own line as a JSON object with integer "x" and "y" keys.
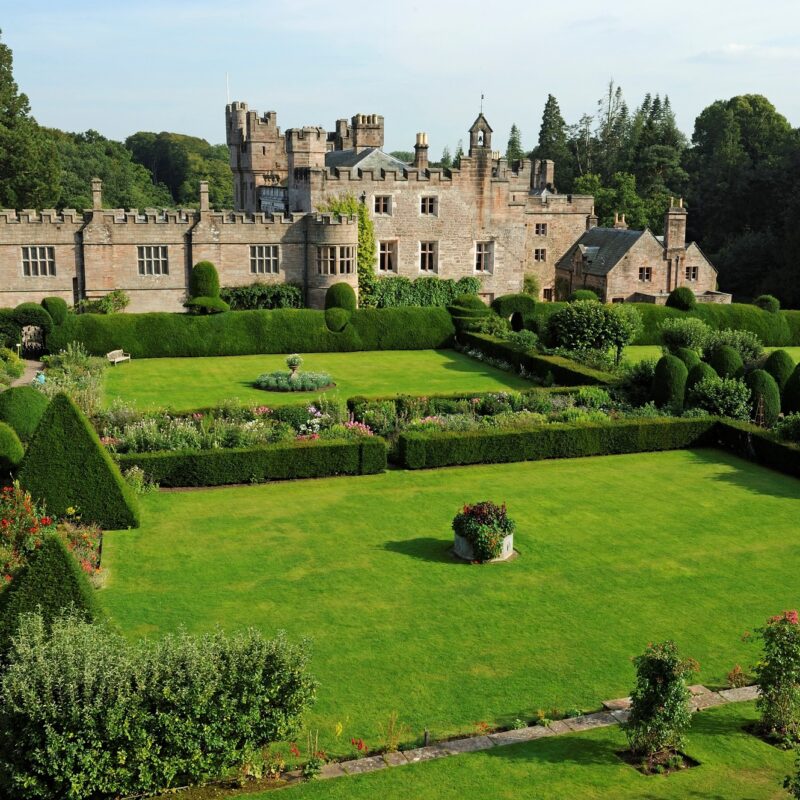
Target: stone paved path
{"x": 31, "y": 368}
{"x": 616, "y": 711}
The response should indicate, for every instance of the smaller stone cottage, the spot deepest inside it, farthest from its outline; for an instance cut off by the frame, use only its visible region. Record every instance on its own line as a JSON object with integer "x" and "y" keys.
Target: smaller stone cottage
{"x": 623, "y": 265}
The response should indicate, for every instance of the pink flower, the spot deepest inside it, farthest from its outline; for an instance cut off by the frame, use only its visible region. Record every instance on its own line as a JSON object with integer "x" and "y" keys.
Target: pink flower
{"x": 262, "y": 411}
{"x": 197, "y": 416}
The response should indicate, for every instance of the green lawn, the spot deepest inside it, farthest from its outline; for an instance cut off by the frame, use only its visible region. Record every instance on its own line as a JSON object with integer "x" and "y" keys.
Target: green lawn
{"x": 640, "y": 352}
{"x": 615, "y": 552}
{"x": 186, "y": 383}
{"x": 734, "y": 765}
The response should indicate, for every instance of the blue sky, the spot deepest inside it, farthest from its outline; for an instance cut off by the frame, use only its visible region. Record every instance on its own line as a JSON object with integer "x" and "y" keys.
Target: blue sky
{"x": 157, "y": 66}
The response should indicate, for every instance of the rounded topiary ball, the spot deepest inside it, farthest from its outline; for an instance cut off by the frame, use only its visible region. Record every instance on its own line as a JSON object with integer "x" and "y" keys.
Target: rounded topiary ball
{"x": 22, "y": 408}
{"x": 726, "y": 361}
{"x": 682, "y": 298}
{"x": 688, "y": 356}
{"x": 336, "y": 319}
{"x": 765, "y": 397}
{"x": 11, "y": 450}
{"x": 583, "y": 294}
{"x": 768, "y": 302}
{"x": 791, "y": 393}
{"x": 204, "y": 280}
{"x": 341, "y": 295}
{"x": 669, "y": 383}
{"x": 699, "y": 372}
{"x": 780, "y": 365}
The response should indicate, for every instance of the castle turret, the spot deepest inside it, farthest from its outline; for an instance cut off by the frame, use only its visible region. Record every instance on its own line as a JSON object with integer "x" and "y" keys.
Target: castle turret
{"x": 306, "y": 148}
{"x": 421, "y": 151}
{"x": 367, "y": 131}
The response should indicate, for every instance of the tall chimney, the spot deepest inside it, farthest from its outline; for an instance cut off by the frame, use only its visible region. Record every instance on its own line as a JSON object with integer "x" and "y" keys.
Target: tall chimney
{"x": 97, "y": 194}
{"x": 619, "y": 222}
{"x": 421, "y": 151}
{"x": 204, "y": 197}
{"x": 591, "y": 220}
{"x": 675, "y": 242}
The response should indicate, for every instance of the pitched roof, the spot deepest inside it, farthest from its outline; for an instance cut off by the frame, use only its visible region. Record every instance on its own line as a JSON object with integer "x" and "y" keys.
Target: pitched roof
{"x": 602, "y": 248}
{"x": 370, "y": 158}
{"x": 481, "y": 123}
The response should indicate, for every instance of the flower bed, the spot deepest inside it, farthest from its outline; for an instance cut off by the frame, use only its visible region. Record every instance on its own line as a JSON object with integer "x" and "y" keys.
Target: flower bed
{"x": 483, "y": 532}
{"x": 282, "y": 381}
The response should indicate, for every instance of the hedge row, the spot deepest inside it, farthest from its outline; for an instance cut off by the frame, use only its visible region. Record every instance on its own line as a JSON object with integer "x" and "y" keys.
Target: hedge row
{"x": 223, "y": 466}
{"x": 755, "y": 444}
{"x": 424, "y": 450}
{"x": 158, "y": 335}
{"x": 564, "y": 371}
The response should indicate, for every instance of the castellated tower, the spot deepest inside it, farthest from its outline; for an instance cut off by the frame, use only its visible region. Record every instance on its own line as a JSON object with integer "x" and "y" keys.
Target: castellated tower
{"x": 306, "y": 148}
{"x": 258, "y": 155}
{"x": 367, "y": 131}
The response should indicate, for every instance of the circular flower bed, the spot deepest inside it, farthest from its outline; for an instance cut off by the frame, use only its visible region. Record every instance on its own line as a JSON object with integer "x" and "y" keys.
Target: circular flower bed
{"x": 282, "y": 381}
{"x": 485, "y": 531}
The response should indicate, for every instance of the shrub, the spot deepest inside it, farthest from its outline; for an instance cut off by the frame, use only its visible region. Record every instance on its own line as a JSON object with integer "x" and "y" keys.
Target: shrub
{"x": 49, "y": 584}
{"x": 10, "y": 331}
{"x": 33, "y": 314}
{"x": 660, "y": 712}
{"x": 682, "y": 298}
{"x": 283, "y": 382}
{"x": 669, "y": 383}
{"x": 584, "y": 294}
{"x": 698, "y": 373}
{"x": 745, "y": 343}
{"x": 531, "y": 286}
{"x": 689, "y": 357}
{"x": 470, "y": 301}
{"x": 11, "y": 366}
{"x": 726, "y": 361}
{"x": 636, "y": 381}
{"x": 791, "y": 393}
{"x": 75, "y": 373}
{"x": 780, "y": 365}
{"x": 509, "y": 304}
{"x": 112, "y": 303}
{"x": 768, "y": 302}
{"x": 336, "y": 319}
{"x": 262, "y": 295}
{"x": 85, "y": 713}
{"x": 341, "y": 295}
{"x": 57, "y": 308}
{"x": 203, "y": 280}
{"x": 64, "y": 439}
{"x": 22, "y": 408}
{"x": 493, "y": 325}
{"x": 765, "y": 397}
{"x": 778, "y": 676}
{"x": 788, "y": 429}
{"x": 207, "y": 305}
{"x": 427, "y": 291}
{"x": 11, "y": 450}
{"x": 722, "y": 397}
{"x": 623, "y": 325}
{"x": 579, "y": 326}
{"x": 522, "y": 340}
{"x": 684, "y": 332}
{"x": 484, "y": 525}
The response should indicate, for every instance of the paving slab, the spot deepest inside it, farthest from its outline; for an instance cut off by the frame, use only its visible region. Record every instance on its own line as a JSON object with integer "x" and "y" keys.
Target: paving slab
{"x": 602, "y": 719}
{"x": 740, "y": 694}
{"x": 521, "y": 735}
{"x": 698, "y": 688}
{"x": 425, "y": 753}
{"x": 468, "y": 745}
{"x": 701, "y": 701}
{"x": 559, "y": 726}
{"x": 332, "y": 770}
{"x": 621, "y": 714}
{"x": 361, "y": 765}
{"x": 395, "y": 759}
{"x": 617, "y": 705}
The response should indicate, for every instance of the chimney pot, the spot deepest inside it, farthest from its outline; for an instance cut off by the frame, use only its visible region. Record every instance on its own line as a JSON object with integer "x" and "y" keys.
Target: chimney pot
{"x": 97, "y": 194}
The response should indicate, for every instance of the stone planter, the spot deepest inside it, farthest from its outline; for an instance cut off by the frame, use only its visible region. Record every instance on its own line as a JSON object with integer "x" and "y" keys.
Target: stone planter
{"x": 462, "y": 548}
{"x": 294, "y": 372}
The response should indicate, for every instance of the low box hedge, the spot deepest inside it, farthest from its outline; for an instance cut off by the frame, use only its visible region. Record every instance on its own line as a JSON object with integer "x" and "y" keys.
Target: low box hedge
{"x": 425, "y": 450}
{"x": 750, "y": 442}
{"x": 284, "y": 330}
{"x": 563, "y": 370}
{"x": 310, "y": 459}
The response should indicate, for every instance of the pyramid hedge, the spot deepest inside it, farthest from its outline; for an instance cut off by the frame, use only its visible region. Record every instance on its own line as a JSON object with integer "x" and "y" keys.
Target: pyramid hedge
{"x": 22, "y": 408}
{"x": 66, "y": 466}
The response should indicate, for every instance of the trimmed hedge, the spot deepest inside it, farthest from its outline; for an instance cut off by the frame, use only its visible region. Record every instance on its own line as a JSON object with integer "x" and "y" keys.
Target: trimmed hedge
{"x": 57, "y": 308}
{"x": 583, "y": 294}
{"x": 262, "y": 295}
{"x": 398, "y": 291}
{"x": 10, "y": 330}
{"x": 207, "y": 305}
{"x": 51, "y": 582}
{"x": 768, "y": 302}
{"x": 780, "y": 365}
{"x": 726, "y": 361}
{"x": 11, "y": 450}
{"x": 791, "y": 393}
{"x": 682, "y": 298}
{"x": 563, "y": 370}
{"x": 699, "y": 372}
{"x": 286, "y": 330}
{"x": 508, "y": 304}
{"x": 203, "y": 280}
{"x": 319, "y": 459}
{"x": 752, "y": 443}
{"x": 336, "y": 319}
{"x": 33, "y": 314}
{"x": 425, "y": 450}
{"x": 764, "y": 388}
{"x": 22, "y": 408}
{"x": 341, "y": 295}
{"x": 792, "y": 319}
{"x": 66, "y": 466}
{"x": 688, "y": 356}
{"x": 669, "y": 383}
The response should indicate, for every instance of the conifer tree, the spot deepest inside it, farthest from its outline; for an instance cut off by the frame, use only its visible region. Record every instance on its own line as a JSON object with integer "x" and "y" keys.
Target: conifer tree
{"x": 447, "y": 159}
{"x": 514, "y": 151}
{"x": 459, "y": 153}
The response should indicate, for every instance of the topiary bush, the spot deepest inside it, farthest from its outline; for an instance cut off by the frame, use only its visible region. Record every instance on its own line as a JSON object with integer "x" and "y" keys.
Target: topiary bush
{"x": 791, "y": 393}
{"x": 699, "y": 372}
{"x": 726, "y": 361}
{"x": 66, "y": 466}
{"x": 203, "y": 280}
{"x": 722, "y": 397}
{"x": 746, "y": 343}
{"x": 685, "y": 332}
{"x": 583, "y": 294}
{"x": 341, "y": 295}
{"x": 11, "y": 450}
{"x": 57, "y": 308}
{"x": 765, "y": 397}
{"x": 682, "y": 298}
{"x": 509, "y": 304}
{"x": 780, "y": 365}
{"x": 33, "y": 314}
{"x": 207, "y": 305}
{"x": 336, "y": 319}
{"x": 689, "y": 357}
{"x": 768, "y": 302}
{"x": 10, "y": 331}
{"x": 669, "y": 383}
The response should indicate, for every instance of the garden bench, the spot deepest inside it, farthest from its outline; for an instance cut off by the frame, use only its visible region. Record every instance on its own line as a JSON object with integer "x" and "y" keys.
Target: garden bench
{"x": 116, "y": 356}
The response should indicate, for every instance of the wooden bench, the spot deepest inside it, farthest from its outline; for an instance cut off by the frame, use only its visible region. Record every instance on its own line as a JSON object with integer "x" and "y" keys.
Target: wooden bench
{"x": 116, "y": 356}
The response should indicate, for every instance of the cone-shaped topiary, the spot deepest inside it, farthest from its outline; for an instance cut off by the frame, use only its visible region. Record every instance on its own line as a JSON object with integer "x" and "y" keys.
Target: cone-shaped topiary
{"x": 669, "y": 383}
{"x": 341, "y": 295}
{"x": 22, "y": 408}
{"x": 698, "y": 373}
{"x": 779, "y": 364}
{"x": 11, "y": 450}
{"x": 204, "y": 280}
{"x": 52, "y": 582}
{"x": 688, "y": 356}
{"x": 765, "y": 397}
{"x": 726, "y": 361}
{"x": 791, "y": 393}
{"x": 66, "y": 466}
{"x": 682, "y": 298}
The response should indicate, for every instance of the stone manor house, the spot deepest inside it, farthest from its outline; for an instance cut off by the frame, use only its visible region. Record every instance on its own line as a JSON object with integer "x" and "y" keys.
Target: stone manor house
{"x": 488, "y": 218}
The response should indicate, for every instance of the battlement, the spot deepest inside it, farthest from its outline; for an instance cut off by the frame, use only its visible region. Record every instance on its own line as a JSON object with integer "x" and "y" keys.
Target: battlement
{"x": 306, "y": 138}
{"x": 227, "y": 217}
{"x": 325, "y": 218}
{"x": 147, "y": 216}
{"x": 47, "y": 216}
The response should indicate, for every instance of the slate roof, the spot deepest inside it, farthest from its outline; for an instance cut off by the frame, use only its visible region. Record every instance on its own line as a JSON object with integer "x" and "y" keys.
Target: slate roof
{"x": 602, "y": 248}
{"x": 370, "y": 158}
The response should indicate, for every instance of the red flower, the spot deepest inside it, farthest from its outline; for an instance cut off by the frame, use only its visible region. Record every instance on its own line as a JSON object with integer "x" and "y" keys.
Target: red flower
{"x": 294, "y": 750}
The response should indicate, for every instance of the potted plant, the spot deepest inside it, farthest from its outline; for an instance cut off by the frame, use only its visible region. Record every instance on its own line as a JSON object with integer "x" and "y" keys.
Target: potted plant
{"x": 293, "y": 362}
{"x": 483, "y": 532}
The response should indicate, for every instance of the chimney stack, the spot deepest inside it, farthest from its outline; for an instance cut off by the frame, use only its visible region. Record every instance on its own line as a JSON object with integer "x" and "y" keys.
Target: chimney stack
{"x": 204, "y": 207}
{"x": 97, "y": 194}
{"x": 421, "y": 151}
{"x": 591, "y": 220}
{"x": 619, "y": 222}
